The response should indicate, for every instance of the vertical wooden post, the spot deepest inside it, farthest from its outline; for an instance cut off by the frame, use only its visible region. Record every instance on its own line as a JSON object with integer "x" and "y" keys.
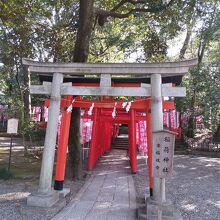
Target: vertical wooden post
{"x": 110, "y": 135}
{"x": 92, "y": 151}
{"x": 10, "y": 151}
{"x": 132, "y": 133}
{"x": 149, "y": 151}
{"x": 105, "y": 136}
{"x": 98, "y": 145}
{"x": 102, "y": 136}
{"x": 62, "y": 147}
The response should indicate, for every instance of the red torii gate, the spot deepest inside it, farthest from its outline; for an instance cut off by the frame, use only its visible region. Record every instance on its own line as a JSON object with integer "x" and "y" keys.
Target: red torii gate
{"x": 102, "y": 125}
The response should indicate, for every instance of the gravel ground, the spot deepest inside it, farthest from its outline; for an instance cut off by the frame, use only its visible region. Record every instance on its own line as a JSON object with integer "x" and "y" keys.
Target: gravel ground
{"x": 13, "y": 194}
{"x": 194, "y": 187}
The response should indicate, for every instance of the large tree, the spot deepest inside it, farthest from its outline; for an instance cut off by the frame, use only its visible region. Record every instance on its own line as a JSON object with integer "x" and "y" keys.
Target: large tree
{"x": 91, "y": 12}
{"x": 202, "y": 21}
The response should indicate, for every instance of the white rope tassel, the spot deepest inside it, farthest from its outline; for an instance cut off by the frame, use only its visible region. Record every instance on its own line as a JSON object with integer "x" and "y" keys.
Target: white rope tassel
{"x": 91, "y": 108}
{"x": 114, "y": 111}
{"x": 70, "y": 108}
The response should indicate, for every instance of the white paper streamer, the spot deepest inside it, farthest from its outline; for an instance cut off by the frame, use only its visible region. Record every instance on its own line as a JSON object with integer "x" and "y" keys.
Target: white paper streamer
{"x": 91, "y": 108}
{"x": 114, "y": 111}
{"x": 128, "y": 106}
{"x": 70, "y": 108}
{"x": 124, "y": 104}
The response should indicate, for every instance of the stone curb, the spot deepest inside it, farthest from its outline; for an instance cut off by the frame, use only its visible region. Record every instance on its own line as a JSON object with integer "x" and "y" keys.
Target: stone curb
{"x": 66, "y": 210}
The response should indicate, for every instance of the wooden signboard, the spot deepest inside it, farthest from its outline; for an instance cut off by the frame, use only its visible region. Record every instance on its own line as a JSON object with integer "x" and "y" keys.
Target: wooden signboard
{"x": 12, "y": 127}
{"x": 163, "y": 151}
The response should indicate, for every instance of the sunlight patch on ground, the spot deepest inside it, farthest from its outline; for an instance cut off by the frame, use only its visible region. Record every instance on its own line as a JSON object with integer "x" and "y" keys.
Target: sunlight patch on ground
{"x": 13, "y": 196}
{"x": 103, "y": 205}
{"x": 193, "y": 168}
{"x": 203, "y": 177}
{"x": 206, "y": 159}
{"x": 181, "y": 166}
{"x": 189, "y": 207}
{"x": 216, "y": 204}
{"x": 209, "y": 165}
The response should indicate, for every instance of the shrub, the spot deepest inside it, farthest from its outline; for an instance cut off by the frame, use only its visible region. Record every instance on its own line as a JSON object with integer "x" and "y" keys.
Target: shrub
{"x": 5, "y": 174}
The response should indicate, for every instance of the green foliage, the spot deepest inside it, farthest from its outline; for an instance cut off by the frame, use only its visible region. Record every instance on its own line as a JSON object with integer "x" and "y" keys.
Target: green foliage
{"x": 124, "y": 98}
{"x": 31, "y": 129}
{"x": 46, "y": 30}
{"x": 27, "y": 127}
{"x": 35, "y": 29}
{"x": 203, "y": 85}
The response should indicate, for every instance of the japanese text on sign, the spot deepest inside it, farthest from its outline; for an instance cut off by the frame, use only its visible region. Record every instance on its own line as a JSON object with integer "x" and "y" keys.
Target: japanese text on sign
{"x": 163, "y": 150}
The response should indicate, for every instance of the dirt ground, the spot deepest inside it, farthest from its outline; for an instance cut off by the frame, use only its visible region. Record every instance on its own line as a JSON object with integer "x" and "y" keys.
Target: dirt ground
{"x": 26, "y": 171}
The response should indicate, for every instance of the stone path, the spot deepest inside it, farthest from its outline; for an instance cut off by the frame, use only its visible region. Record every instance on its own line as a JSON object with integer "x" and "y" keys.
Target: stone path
{"x": 108, "y": 195}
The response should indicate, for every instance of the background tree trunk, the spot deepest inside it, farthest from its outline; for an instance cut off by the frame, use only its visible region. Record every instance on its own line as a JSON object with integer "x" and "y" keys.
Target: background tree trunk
{"x": 217, "y": 135}
{"x": 27, "y": 97}
{"x": 75, "y": 150}
{"x": 81, "y": 53}
{"x": 186, "y": 41}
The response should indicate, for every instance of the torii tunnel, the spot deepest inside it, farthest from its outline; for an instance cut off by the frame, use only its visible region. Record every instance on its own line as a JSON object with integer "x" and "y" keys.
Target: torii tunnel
{"x": 102, "y": 129}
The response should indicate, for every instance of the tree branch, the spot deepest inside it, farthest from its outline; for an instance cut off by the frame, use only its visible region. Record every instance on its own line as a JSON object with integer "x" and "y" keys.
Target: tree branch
{"x": 127, "y": 1}
{"x": 119, "y": 5}
{"x": 113, "y": 14}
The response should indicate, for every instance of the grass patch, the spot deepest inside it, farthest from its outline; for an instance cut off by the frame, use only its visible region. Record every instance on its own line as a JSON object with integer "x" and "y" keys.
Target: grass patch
{"x": 5, "y": 174}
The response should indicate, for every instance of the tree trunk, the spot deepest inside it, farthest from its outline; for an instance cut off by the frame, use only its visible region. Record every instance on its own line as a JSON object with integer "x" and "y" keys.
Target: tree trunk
{"x": 81, "y": 53}
{"x": 191, "y": 122}
{"x": 75, "y": 150}
{"x": 186, "y": 41}
{"x": 81, "y": 50}
{"x": 27, "y": 97}
{"x": 217, "y": 135}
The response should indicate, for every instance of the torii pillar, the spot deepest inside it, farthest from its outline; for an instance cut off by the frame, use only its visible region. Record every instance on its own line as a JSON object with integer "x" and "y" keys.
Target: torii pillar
{"x": 46, "y": 196}
{"x": 157, "y": 125}
{"x": 159, "y": 197}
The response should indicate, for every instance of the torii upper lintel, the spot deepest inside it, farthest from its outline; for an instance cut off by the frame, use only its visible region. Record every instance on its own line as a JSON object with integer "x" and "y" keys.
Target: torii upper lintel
{"x": 163, "y": 68}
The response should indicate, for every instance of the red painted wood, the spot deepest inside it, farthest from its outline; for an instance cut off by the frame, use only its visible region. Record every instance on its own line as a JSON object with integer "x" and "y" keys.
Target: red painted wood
{"x": 99, "y": 133}
{"x": 126, "y": 85}
{"x": 149, "y": 144}
{"x": 132, "y": 147}
{"x": 168, "y": 105}
{"x": 86, "y": 84}
{"x": 113, "y": 84}
{"x": 92, "y": 151}
{"x": 102, "y": 123}
{"x": 63, "y": 143}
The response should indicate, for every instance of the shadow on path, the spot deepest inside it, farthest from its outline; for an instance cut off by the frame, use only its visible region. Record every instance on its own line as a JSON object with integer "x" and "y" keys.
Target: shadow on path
{"x": 109, "y": 193}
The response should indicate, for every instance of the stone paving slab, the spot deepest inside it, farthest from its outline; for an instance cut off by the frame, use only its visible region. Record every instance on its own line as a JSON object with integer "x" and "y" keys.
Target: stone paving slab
{"x": 108, "y": 195}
